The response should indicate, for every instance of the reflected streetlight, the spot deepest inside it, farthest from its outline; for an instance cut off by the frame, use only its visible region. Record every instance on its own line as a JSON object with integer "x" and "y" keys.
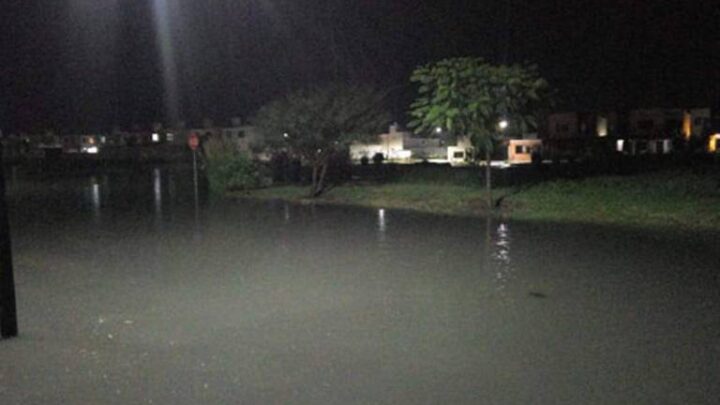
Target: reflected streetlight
{"x": 382, "y": 224}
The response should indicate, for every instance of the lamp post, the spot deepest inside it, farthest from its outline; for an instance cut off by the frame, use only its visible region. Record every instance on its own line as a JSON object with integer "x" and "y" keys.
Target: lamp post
{"x": 502, "y": 126}
{"x": 8, "y": 310}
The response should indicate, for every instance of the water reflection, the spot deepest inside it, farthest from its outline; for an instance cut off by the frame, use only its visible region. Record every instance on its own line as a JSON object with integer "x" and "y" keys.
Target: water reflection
{"x": 502, "y": 265}
{"x": 325, "y": 282}
{"x": 95, "y": 197}
{"x": 382, "y": 225}
{"x": 502, "y": 245}
{"x": 157, "y": 191}
{"x": 286, "y": 212}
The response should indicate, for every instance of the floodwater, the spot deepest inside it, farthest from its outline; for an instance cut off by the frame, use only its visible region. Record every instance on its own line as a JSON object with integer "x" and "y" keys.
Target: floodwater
{"x": 131, "y": 291}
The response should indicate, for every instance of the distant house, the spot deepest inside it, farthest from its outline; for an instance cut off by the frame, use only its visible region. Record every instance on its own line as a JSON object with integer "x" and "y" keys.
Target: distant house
{"x": 654, "y": 131}
{"x": 646, "y": 131}
{"x": 390, "y": 145}
{"x": 656, "y": 123}
{"x": 522, "y": 151}
{"x": 81, "y": 143}
{"x": 404, "y": 147}
{"x": 575, "y": 134}
{"x": 460, "y": 152}
{"x": 247, "y": 138}
{"x": 582, "y": 125}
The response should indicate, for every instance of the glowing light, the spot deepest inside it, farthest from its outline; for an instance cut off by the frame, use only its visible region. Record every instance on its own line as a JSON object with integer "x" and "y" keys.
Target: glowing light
{"x": 93, "y": 150}
{"x": 620, "y": 144}
{"x": 714, "y": 144}
{"x": 170, "y": 137}
{"x": 687, "y": 125}
{"x": 438, "y": 130}
{"x": 156, "y": 137}
{"x": 503, "y": 124}
{"x": 602, "y": 126}
{"x": 286, "y": 135}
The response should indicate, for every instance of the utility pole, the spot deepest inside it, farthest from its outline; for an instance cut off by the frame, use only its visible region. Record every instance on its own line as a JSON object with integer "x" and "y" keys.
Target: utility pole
{"x": 8, "y": 310}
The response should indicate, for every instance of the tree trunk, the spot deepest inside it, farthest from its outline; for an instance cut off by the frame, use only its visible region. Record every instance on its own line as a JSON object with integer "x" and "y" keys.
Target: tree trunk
{"x": 313, "y": 188}
{"x": 488, "y": 180}
{"x": 321, "y": 180}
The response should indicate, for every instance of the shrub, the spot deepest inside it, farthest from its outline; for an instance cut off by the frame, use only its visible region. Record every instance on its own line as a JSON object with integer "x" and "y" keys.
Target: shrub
{"x": 229, "y": 169}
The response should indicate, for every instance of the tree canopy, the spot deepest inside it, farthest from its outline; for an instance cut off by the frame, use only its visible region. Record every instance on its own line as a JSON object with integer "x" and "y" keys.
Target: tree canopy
{"x": 468, "y": 96}
{"x": 316, "y": 123}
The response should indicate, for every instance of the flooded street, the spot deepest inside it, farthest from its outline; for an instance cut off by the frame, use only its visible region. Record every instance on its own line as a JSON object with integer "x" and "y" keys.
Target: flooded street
{"x": 130, "y": 291}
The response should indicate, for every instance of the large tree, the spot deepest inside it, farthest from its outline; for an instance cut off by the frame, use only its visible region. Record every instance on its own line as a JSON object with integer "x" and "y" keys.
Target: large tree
{"x": 470, "y": 97}
{"x": 317, "y": 123}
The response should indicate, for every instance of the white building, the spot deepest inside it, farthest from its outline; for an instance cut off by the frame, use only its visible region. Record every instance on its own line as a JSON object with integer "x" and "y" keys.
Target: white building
{"x": 390, "y": 145}
{"x": 402, "y": 147}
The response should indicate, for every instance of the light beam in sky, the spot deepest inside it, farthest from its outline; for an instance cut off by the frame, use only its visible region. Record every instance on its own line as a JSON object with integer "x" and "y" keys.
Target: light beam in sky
{"x": 162, "y": 16}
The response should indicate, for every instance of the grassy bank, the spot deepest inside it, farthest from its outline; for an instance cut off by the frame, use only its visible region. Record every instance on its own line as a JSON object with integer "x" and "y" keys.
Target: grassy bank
{"x": 675, "y": 198}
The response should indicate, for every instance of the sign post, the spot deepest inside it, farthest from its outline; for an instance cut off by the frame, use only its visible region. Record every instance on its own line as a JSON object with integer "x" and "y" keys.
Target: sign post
{"x": 194, "y": 143}
{"x": 8, "y": 310}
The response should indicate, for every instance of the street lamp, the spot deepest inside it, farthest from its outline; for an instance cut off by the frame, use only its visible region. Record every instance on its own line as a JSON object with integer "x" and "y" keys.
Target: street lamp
{"x": 503, "y": 124}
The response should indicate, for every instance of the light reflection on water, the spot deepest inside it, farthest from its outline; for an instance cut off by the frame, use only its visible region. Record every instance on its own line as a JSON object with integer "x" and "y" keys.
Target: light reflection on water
{"x": 157, "y": 191}
{"x": 95, "y": 198}
{"x": 403, "y": 282}
{"x": 504, "y": 271}
{"x": 382, "y": 225}
{"x": 286, "y": 212}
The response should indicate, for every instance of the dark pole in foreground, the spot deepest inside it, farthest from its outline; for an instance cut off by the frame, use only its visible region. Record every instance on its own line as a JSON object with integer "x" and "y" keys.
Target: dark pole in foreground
{"x": 8, "y": 311}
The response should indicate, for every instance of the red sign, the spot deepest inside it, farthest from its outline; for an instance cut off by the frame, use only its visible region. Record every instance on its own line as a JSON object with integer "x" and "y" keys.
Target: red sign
{"x": 193, "y": 141}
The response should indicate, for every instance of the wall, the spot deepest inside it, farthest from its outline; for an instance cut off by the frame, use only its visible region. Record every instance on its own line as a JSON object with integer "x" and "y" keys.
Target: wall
{"x": 527, "y": 146}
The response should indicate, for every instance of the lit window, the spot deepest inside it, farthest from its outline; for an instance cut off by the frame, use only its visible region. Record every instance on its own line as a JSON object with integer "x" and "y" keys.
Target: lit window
{"x": 156, "y": 137}
{"x": 602, "y": 126}
{"x": 714, "y": 145}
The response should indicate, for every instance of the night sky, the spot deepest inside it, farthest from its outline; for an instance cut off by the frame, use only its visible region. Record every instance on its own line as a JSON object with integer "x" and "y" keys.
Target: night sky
{"x": 91, "y": 65}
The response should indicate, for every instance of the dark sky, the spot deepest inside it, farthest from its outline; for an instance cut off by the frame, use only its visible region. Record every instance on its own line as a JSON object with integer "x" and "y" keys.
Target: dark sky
{"x": 95, "y": 64}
